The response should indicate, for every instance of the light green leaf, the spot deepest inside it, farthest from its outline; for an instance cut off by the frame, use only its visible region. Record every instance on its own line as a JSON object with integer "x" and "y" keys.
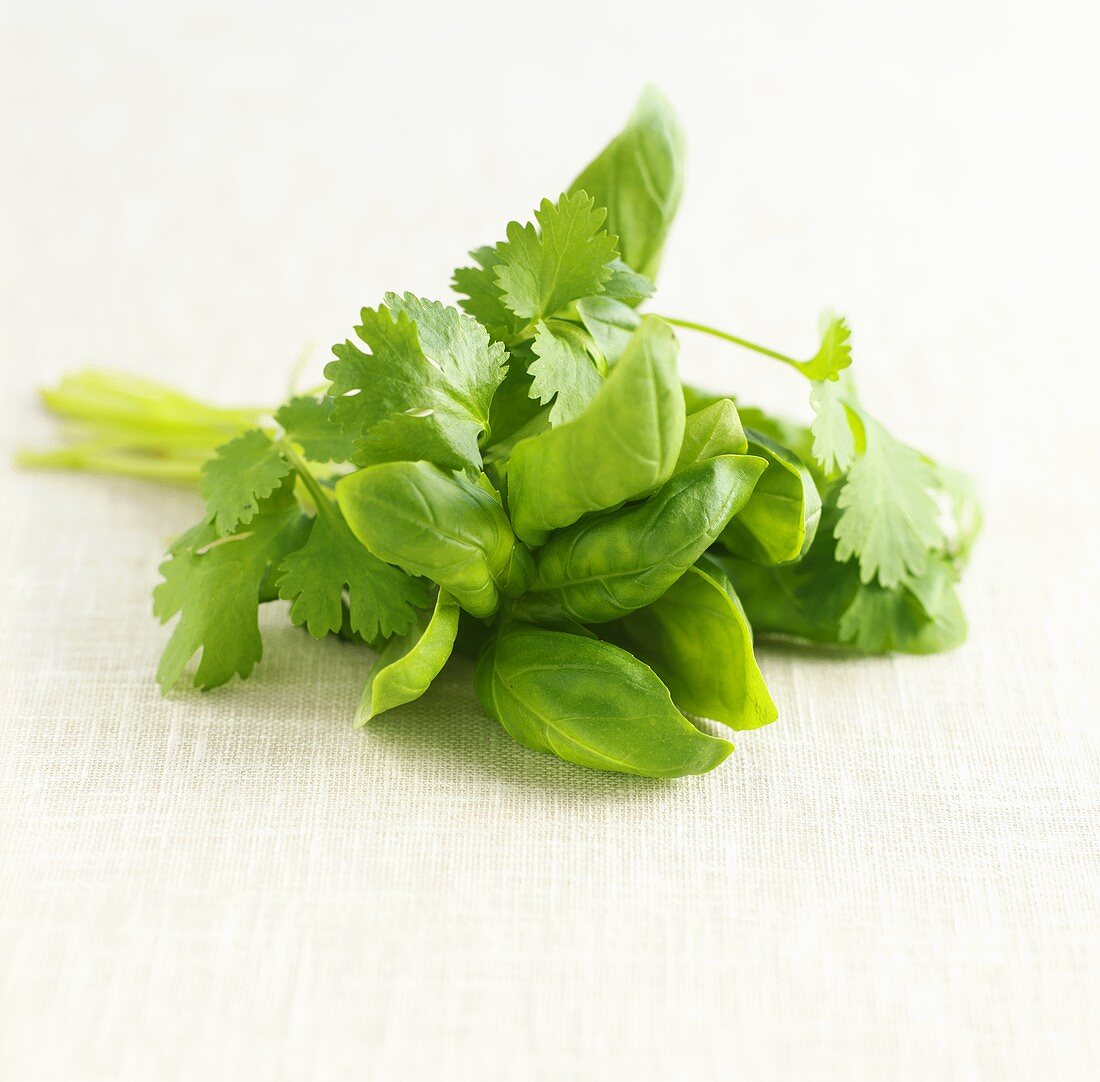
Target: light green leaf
{"x": 888, "y": 519}
{"x": 562, "y": 370}
{"x": 834, "y": 354}
{"x": 780, "y": 520}
{"x": 382, "y": 600}
{"x": 482, "y": 297}
{"x": 409, "y": 663}
{"x": 542, "y": 270}
{"x": 590, "y": 703}
{"x": 639, "y": 177}
{"x": 713, "y": 430}
{"x": 610, "y": 564}
{"x": 217, "y": 585}
{"x": 697, "y": 639}
{"x": 425, "y": 388}
{"x": 834, "y": 443}
{"x": 309, "y": 423}
{"x": 241, "y": 474}
{"x": 435, "y": 524}
{"x": 611, "y": 323}
{"x": 623, "y": 446}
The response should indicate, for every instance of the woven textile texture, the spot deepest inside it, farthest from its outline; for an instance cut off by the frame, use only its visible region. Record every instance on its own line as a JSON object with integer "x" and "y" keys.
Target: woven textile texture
{"x": 898, "y": 880}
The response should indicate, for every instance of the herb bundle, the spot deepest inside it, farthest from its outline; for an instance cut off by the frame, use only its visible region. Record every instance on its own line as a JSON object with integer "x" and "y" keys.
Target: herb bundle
{"x": 526, "y": 479}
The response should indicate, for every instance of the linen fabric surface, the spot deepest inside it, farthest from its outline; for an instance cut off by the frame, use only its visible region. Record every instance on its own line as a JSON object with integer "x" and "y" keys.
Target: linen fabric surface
{"x": 897, "y": 880}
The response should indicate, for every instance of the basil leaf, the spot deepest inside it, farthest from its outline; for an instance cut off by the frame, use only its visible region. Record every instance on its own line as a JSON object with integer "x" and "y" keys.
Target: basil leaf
{"x": 432, "y": 523}
{"x": 621, "y": 447}
{"x": 697, "y": 639}
{"x": 409, "y": 663}
{"x": 639, "y": 177}
{"x": 590, "y": 703}
{"x": 714, "y": 430}
{"x": 779, "y": 522}
{"x": 616, "y": 562}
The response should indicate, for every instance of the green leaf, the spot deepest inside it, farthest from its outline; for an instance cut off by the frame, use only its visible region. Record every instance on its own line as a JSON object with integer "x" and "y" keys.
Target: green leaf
{"x": 309, "y": 423}
{"x": 713, "y": 430}
{"x": 834, "y": 444}
{"x": 697, "y": 639}
{"x": 425, "y": 388}
{"x": 590, "y": 703}
{"x": 623, "y": 446}
{"x": 922, "y": 617}
{"x": 639, "y": 177}
{"x": 626, "y": 285}
{"x": 610, "y": 322}
{"x": 435, "y": 524}
{"x": 611, "y": 564}
{"x": 216, "y": 585}
{"x": 409, "y": 663}
{"x": 780, "y": 520}
{"x": 888, "y": 519}
{"x": 834, "y": 354}
{"x": 241, "y": 474}
{"x": 562, "y": 370}
{"x": 820, "y": 600}
{"x": 541, "y": 271}
{"x": 483, "y": 298}
{"x": 382, "y": 600}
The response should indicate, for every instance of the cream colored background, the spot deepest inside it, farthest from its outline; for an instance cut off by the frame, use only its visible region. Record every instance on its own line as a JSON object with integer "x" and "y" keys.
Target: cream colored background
{"x": 899, "y": 880}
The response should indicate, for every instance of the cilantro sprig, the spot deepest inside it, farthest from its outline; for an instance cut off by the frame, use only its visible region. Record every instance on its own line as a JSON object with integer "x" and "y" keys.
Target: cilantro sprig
{"x": 524, "y": 477}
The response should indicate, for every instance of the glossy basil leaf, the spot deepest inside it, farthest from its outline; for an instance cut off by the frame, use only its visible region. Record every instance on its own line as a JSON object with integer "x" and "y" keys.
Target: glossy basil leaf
{"x": 409, "y": 663}
{"x": 621, "y": 447}
{"x": 713, "y": 430}
{"x": 611, "y": 564}
{"x": 779, "y": 522}
{"x": 697, "y": 639}
{"x": 432, "y": 523}
{"x": 590, "y": 703}
{"x": 639, "y": 177}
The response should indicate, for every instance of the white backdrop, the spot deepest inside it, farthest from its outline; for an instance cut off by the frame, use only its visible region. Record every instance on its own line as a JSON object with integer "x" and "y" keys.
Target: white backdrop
{"x": 897, "y": 880}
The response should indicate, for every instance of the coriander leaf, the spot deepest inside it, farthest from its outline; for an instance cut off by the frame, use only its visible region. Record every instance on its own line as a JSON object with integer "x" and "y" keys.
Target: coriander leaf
{"x": 482, "y": 296}
{"x": 835, "y": 353}
{"x": 922, "y": 617}
{"x": 562, "y": 369}
{"x": 834, "y": 441}
{"x": 638, "y": 177}
{"x": 888, "y": 519}
{"x": 382, "y": 599}
{"x": 309, "y": 423}
{"x": 424, "y": 390}
{"x": 241, "y": 474}
{"x": 216, "y": 585}
{"x": 543, "y": 270}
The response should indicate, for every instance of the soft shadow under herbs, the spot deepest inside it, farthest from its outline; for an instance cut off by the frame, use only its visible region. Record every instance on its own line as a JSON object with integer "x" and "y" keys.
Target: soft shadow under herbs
{"x": 448, "y": 727}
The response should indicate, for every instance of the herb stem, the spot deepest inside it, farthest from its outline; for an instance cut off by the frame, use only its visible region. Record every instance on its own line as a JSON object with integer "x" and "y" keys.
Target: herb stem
{"x": 702, "y": 328}
{"x": 320, "y": 497}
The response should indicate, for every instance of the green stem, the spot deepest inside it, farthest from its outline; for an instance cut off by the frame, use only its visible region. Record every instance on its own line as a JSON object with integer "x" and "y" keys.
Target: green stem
{"x": 702, "y": 328}
{"x": 145, "y": 467}
{"x": 321, "y": 499}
